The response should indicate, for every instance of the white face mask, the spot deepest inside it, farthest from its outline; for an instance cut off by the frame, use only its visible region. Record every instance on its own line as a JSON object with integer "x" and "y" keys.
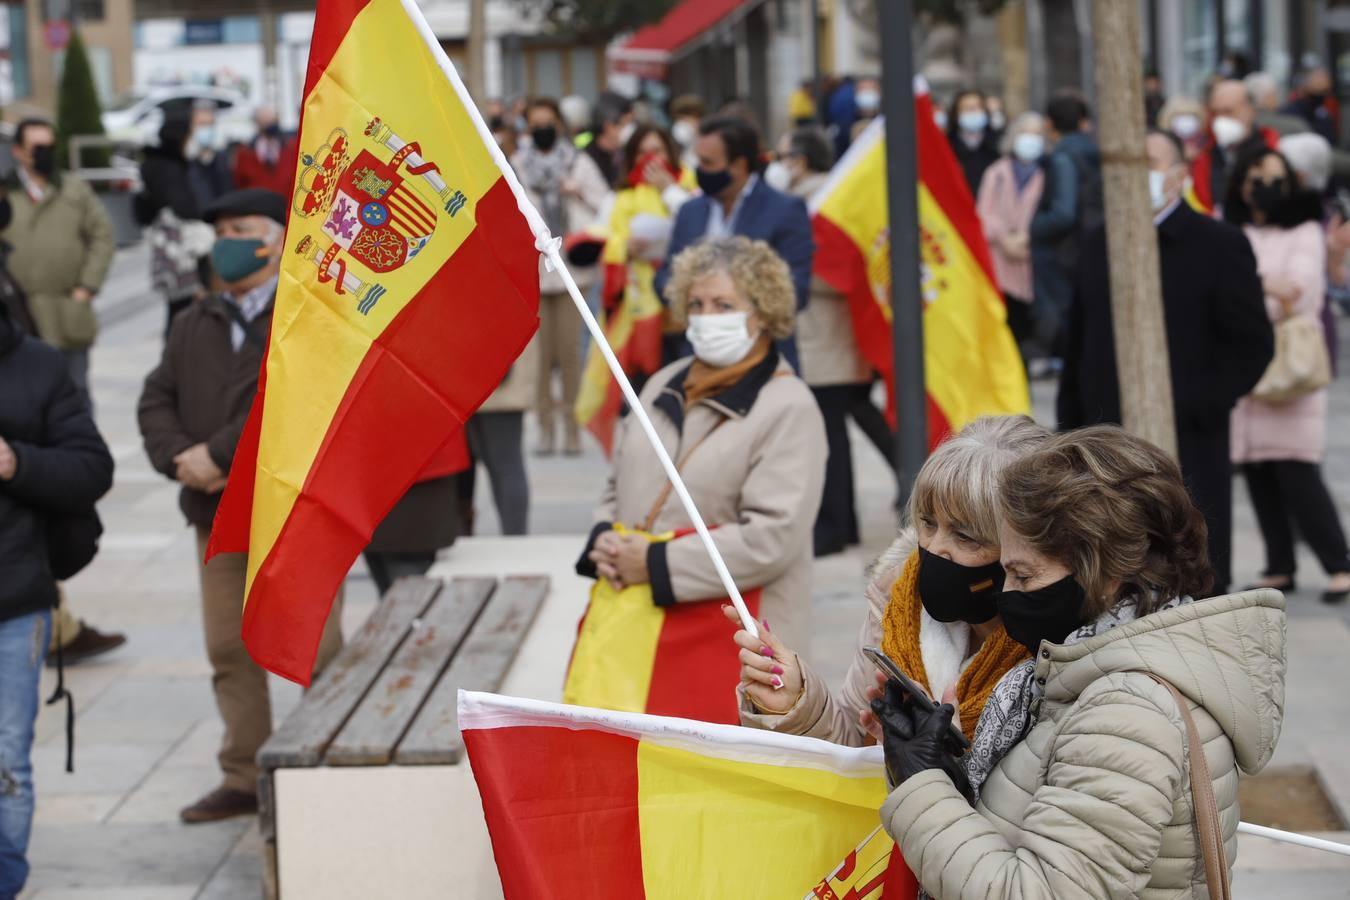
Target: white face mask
{"x": 684, "y": 131}
{"x": 1185, "y": 126}
{"x": 940, "y": 118}
{"x": 997, "y": 120}
{"x": 720, "y": 340}
{"x": 975, "y": 120}
{"x": 868, "y": 101}
{"x": 1028, "y": 147}
{"x": 626, "y": 132}
{"x": 777, "y": 175}
{"x": 1157, "y": 193}
{"x": 1228, "y": 131}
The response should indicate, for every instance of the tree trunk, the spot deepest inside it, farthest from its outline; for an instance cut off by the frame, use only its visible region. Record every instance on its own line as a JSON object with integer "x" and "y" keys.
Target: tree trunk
{"x": 476, "y": 56}
{"x": 1131, "y": 239}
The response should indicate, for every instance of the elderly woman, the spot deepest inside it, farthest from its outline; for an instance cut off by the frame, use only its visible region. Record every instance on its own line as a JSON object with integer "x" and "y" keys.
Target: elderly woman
{"x": 746, "y": 435}
{"x": 1103, "y": 551}
{"x": 929, "y": 606}
{"x": 1008, "y": 197}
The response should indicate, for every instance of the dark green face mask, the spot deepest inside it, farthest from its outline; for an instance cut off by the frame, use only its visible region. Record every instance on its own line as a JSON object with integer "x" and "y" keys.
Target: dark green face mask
{"x": 235, "y": 259}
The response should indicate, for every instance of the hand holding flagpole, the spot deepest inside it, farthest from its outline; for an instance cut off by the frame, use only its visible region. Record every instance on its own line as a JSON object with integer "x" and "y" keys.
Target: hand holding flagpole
{"x": 549, "y": 245}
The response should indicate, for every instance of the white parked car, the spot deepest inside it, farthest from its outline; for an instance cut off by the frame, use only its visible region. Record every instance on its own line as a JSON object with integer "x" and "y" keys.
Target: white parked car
{"x": 137, "y": 117}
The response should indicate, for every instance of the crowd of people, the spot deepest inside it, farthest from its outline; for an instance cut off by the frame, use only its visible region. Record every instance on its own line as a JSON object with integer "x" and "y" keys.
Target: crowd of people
{"x": 1027, "y": 559}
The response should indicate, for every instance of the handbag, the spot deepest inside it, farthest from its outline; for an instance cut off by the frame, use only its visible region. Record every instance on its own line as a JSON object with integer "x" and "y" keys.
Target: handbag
{"x": 1301, "y": 364}
{"x": 72, "y": 541}
{"x": 1209, "y": 835}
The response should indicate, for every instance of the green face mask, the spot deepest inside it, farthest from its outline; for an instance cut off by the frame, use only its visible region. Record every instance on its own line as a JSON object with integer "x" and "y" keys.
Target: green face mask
{"x": 235, "y": 259}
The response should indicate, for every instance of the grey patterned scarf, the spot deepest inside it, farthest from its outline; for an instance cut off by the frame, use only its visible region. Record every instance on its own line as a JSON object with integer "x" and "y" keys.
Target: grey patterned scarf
{"x": 1006, "y": 718}
{"x": 543, "y": 173}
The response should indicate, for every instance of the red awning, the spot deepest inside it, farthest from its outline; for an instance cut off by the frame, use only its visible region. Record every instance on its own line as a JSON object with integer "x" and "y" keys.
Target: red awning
{"x": 648, "y": 51}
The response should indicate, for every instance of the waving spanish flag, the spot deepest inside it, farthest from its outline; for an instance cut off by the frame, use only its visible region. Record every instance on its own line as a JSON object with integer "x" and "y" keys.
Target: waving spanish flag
{"x": 615, "y": 806}
{"x": 971, "y": 364}
{"x": 409, "y": 285}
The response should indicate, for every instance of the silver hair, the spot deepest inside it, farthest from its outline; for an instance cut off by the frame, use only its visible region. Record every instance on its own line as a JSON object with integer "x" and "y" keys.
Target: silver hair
{"x": 1309, "y": 156}
{"x": 1259, "y": 86}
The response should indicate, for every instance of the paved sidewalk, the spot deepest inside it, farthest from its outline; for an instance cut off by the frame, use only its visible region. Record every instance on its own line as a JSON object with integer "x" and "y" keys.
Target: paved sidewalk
{"x": 147, "y": 729}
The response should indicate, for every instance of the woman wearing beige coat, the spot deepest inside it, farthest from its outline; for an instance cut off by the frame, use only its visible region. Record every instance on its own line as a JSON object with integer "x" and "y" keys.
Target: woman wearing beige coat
{"x": 1103, "y": 551}
{"x": 747, "y": 437}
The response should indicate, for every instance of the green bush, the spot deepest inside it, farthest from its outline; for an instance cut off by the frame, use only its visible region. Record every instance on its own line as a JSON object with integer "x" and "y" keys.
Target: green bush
{"x": 78, "y": 111}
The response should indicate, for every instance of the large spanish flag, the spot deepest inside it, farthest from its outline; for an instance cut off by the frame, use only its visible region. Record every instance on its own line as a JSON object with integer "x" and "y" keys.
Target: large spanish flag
{"x": 409, "y": 285}
{"x": 615, "y": 806}
{"x": 971, "y": 364}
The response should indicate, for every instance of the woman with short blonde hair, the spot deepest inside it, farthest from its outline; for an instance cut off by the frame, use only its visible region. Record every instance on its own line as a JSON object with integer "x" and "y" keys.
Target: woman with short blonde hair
{"x": 930, "y": 601}
{"x": 758, "y": 273}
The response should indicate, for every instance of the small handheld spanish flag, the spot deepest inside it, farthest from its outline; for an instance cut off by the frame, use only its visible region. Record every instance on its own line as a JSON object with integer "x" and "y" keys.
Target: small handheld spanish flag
{"x": 409, "y": 285}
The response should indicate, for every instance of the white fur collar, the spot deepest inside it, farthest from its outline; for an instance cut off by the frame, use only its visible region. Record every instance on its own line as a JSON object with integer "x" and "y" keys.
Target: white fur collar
{"x": 943, "y": 646}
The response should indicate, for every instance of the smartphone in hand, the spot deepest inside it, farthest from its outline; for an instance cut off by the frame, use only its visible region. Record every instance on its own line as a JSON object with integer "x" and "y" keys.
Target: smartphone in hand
{"x": 918, "y": 696}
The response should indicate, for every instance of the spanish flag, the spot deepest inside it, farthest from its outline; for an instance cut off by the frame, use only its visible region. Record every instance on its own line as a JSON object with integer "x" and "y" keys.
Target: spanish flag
{"x": 409, "y": 285}
{"x": 616, "y": 806}
{"x": 971, "y": 364}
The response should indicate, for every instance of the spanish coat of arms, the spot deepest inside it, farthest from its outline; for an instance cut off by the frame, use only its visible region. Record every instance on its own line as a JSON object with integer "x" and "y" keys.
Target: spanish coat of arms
{"x": 377, "y": 209}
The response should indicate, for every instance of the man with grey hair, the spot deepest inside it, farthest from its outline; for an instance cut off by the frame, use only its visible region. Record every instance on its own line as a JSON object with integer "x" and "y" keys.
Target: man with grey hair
{"x": 1264, "y": 92}
{"x": 192, "y": 411}
{"x": 1233, "y": 132}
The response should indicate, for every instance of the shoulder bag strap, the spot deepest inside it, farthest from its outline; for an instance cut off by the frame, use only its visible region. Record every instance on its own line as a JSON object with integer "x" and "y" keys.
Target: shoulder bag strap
{"x": 666, "y": 488}
{"x": 1206, "y": 809}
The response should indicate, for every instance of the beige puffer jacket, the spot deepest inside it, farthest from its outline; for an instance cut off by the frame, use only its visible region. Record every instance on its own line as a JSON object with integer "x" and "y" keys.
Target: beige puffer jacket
{"x": 1096, "y": 802}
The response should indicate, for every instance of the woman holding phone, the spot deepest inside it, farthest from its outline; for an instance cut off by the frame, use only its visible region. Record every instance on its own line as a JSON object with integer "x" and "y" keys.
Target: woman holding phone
{"x": 929, "y": 603}
{"x": 1134, "y": 716}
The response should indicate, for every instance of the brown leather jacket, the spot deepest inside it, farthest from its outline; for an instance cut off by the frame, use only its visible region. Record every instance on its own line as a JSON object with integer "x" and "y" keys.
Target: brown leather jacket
{"x": 201, "y": 391}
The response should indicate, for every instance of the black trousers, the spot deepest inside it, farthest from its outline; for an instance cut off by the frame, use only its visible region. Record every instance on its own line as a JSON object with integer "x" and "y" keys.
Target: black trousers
{"x": 1209, "y": 478}
{"x": 1289, "y": 495}
{"x": 837, "y": 523}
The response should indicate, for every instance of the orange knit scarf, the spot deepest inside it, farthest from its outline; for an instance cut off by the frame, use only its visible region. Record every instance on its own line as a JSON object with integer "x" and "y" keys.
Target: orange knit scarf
{"x": 900, "y": 640}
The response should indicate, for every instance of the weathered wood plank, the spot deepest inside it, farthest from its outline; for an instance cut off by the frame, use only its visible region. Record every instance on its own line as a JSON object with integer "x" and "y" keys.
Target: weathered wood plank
{"x": 374, "y": 729}
{"x": 307, "y": 732}
{"x": 480, "y": 665}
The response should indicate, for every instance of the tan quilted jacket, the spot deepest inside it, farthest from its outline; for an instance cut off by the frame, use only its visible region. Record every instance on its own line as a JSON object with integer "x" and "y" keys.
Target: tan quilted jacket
{"x": 1095, "y": 802}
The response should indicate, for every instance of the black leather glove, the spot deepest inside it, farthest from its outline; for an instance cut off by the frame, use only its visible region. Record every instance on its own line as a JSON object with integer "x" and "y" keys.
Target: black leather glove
{"x": 915, "y": 740}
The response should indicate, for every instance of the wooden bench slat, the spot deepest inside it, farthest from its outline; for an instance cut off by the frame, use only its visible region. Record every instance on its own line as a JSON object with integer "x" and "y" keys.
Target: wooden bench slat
{"x": 480, "y": 665}
{"x": 307, "y": 732}
{"x": 374, "y": 729}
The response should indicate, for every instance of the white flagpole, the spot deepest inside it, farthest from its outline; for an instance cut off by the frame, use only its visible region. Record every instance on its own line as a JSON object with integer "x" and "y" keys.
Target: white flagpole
{"x": 549, "y": 245}
{"x": 1290, "y": 837}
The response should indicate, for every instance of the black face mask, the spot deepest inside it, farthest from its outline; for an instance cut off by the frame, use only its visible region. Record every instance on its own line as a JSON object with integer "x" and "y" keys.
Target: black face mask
{"x": 1267, "y": 196}
{"x": 952, "y": 592}
{"x": 544, "y": 138}
{"x": 1049, "y": 614}
{"x": 712, "y": 183}
{"x": 44, "y": 160}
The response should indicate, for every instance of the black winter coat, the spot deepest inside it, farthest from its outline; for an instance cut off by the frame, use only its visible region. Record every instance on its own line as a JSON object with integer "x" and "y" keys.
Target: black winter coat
{"x": 974, "y": 162}
{"x": 1219, "y": 338}
{"x": 63, "y": 464}
{"x": 168, "y": 182}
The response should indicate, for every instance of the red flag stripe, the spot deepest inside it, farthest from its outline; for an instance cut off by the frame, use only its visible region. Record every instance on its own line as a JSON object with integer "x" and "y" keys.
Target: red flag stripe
{"x": 692, "y": 677}
{"x": 538, "y": 781}
{"x": 436, "y": 339}
{"x": 412, "y": 208}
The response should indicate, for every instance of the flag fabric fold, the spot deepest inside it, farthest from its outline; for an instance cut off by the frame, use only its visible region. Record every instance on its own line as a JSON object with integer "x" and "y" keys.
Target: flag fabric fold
{"x": 971, "y": 363}
{"x": 588, "y": 803}
{"x": 409, "y": 284}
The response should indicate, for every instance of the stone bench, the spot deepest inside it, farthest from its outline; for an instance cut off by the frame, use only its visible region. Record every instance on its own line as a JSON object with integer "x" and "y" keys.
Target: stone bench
{"x": 376, "y": 740}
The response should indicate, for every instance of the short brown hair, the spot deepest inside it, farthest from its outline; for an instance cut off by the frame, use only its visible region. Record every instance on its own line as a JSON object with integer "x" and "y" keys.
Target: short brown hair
{"x": 1113, "y": 508}
{"x": 759, "y": 273}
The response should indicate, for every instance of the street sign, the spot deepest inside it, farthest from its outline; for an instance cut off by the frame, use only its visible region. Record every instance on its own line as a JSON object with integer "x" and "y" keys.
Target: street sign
{"x": 56, "y": 34}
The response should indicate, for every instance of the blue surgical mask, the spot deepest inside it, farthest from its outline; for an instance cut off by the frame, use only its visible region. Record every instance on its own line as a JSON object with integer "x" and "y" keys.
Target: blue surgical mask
{"x": 973, "y": 120}
{"x": 234, "y": 259}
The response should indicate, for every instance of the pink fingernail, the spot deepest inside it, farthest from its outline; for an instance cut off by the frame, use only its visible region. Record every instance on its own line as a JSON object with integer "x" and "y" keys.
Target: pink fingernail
{"x": 766, "y": 650}
{"x": 765, "y": 623}
{"x": 777, "y": 670}
{"x": 777, "y": 683}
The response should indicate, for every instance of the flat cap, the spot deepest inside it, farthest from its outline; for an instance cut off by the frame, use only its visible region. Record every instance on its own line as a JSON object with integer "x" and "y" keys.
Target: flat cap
{"x": 248, "y": 202}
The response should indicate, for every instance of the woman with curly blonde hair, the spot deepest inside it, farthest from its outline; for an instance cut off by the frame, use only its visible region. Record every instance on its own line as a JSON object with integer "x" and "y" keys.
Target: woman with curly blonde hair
{"x": 748, "y": 439}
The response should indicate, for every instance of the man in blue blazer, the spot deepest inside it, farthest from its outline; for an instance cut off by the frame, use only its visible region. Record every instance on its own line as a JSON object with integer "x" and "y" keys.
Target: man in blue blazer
{"x": 736, "y": 201}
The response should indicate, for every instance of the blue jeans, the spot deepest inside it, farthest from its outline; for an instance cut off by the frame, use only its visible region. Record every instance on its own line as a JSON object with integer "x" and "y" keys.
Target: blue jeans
{"x": 23, "y": 649}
